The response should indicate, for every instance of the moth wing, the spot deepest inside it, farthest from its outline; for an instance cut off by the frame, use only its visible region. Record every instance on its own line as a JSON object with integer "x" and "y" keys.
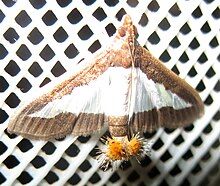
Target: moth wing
{"x": 163, "y": 99}
{"x": 68, "y": 108}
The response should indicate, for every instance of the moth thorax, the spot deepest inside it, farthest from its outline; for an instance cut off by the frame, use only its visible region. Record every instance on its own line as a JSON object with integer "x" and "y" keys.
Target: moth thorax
{"x": 118, "y": 125}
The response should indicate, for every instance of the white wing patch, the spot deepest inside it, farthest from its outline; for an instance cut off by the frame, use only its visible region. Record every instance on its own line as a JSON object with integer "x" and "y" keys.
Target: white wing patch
{"x": 151, "y": 95}
{"x": 117, "y": 92}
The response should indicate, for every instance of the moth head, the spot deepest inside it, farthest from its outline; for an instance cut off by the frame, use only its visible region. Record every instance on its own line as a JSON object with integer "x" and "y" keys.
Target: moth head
{"x": 127, "y": 28}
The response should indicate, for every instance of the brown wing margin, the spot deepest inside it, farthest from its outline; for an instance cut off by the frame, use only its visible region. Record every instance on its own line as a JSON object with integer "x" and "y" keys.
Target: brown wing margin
{"x": 65, "y": 123}
{"x": 168, "y": 117}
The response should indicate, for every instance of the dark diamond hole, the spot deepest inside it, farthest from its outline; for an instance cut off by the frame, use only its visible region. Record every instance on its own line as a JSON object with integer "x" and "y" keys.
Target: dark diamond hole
{"x": 197, "y": 142}
{"x": 72, "y": 150}
{"x": 184, "y": 58}
{"x": 23, "y": 52}
{"x": 45, "y": 81}
{"x": 11, "y": 136}
{"x": 99, "y": 14}
{"x": 192, "y": 72}
{"x": 95, "y": 178}
{"x": 63, "y": 3}
{"x": 216, "y": 13}
{"x": 58, "y": 69}
{"x": 11, "y": 162}
{"x": 62, "y": 164}
{"x": 153, "y": 6}
{"x": 175, "y": 70}
{"x": 23, "y": 19}
{"x": 85, "y": 32}
{"x": 83, "y": 139}
{"x": 154, "y": 38}
{"x": 25, "y": 177}
{"x": 126, "y": 165}
{"x": 2, "y": 16}
{"x": 188, "y": 155}
{"x": 165, "y": 56}
{"x": 3, "y": 52}
{"x": 208, "y": 100}
{"x": 189, "y": 128}
{"x": 37, "y": 4}
{"x": 206, "y": 157}
{"x": 206, "y": 28}
{"x": 114, "y": 177}
{"x": 120, "y": 14}
{"x": 75, "y": 179}
{"x": 166, "y": 156}
{"x": 185, "y": 29}
{"x": 196, "y": 169}
{"x": 25, "y": 145}
{"x": 47, "y": 53}
{"x": 200, "y": 87}
{"x": 9, "y": 3}
{"x": 51, "y": 177}
{"x": 144, "y": 20}
{"x": 158, "y": 144}
{"x": 3, "y": 84}
{"x": 214, "y": 43}
{"x": 153, "y": 172}
{"x": 175, "y": 42}
{"x": 217, "y": 86}
{"x": 132, "y": 3}
{"x": 12, "y": 100}
{"x": 88, "y": 2}
{"x": 175, "y": 171}
{"x": 35, "y": 69}
{"x": 3, "y": 147}
{"x": 175, "y": 10}
{"x": 11, "y": 35}
{"x": 3, "y": 116}
{"x": 178, "y": 140}
{"x": 197, "y": 13}
{"x": 110, "y": 28}
{"x": 71, "y": 51}
{"x": 60, "y": 35}
{"x": 210, "y": 73}
{"x": 12, "y": 68}
{"x": 194, "y": 44}
{"x": 145, "y": 161}
{"x": 133, "y": 176}
{"x": 208, "y": 1}
{"x": 38, "y": 162}
{"x": 49, "y": 18}
{"x": 85, "y": 166}
{"x": 95, "y": 46}
{"x": 74, "y": 16}
{"x": 49, "y": 148}
{"x": 164, "y": 24}
{"x": 111, "y": 2}
{"x": 207, "y": 129}
{"x": 35, "y": 37}
{"x": 202, "y": 58}
{"x": 24, "y": 85}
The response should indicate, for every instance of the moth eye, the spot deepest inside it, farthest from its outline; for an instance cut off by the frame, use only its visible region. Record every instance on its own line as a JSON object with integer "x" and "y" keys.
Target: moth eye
{"x": 122, "y": 31}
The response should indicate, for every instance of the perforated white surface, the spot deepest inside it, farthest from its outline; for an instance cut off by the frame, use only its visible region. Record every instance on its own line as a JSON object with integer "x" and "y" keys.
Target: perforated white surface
{"x": 42, "y": 40}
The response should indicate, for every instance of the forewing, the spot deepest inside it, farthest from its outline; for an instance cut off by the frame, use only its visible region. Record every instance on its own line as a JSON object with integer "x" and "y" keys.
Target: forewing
{"x": 71, "y": 107}
{"x": 163, "y": 99}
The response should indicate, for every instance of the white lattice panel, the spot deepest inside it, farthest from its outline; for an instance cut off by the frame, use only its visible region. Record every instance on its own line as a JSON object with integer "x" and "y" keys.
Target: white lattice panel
{"x": 42, "y": 41}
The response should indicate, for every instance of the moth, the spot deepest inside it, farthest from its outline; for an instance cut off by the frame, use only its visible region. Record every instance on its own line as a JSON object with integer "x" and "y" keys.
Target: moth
{"x": 124, "y": 88}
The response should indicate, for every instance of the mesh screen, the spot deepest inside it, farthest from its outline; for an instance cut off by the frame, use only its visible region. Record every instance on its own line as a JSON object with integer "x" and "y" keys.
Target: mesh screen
{"x": 41, "y": 41}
